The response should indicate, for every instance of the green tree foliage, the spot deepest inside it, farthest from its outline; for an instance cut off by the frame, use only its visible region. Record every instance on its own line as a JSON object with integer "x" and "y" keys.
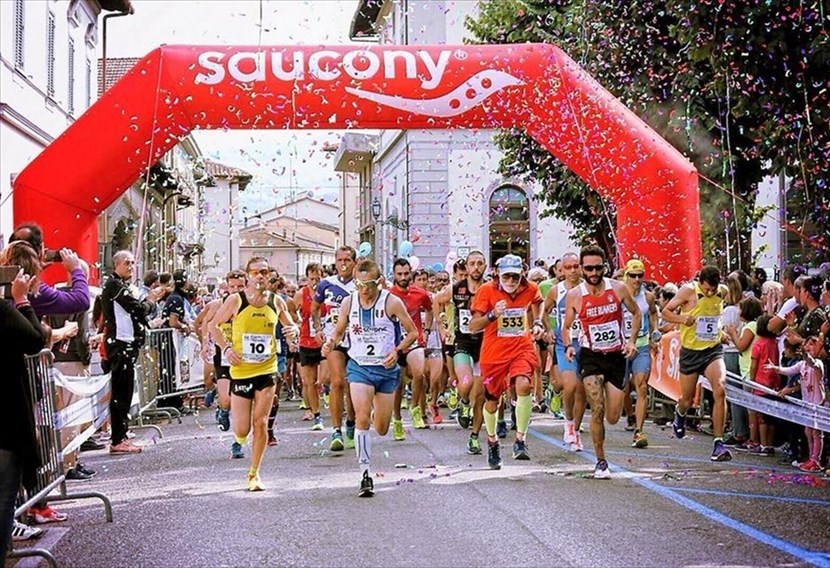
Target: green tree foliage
{"x": 740, "y": 88}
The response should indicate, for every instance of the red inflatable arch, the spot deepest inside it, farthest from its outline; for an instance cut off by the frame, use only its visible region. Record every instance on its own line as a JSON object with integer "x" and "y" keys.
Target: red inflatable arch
{"x": 538, "y": 88}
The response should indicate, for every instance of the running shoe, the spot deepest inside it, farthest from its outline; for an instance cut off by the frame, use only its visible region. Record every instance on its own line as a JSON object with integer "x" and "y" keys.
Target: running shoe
{"x": 349, "y": 437}
{"x": 678, "y": 425}
{"x": 631, "y": 423}
{"x": 454, "y": 414}
{"x": 601, "y": 470}
{"x": 731, "y": 441}
{"x": 577, "y": 443}
{"x": 22, "y": 532}
{"x": 237, "y": 453}
{"x": 74, "y": 474}
{"x": 255, "y": 483}
{"x": 223, "y": 417}
{"x": 84, "y": 469}
{"x": 272, "y": 440}
{"x": 747, "y": 446}
{"x": 810, "y": 466}
{"x": 318, "y": 423}
{"x": 441, "y": 402}
{"x": 520, "y": 450}
{"x": 367, "y": 486}
{"x": 465, "y": 412}
{"x": 47, "y": 514}
{"x": 417, "y": 418}
{"x": 535, "y": 406}
{"x": 494, "y": 454}
{"x": 640, "y": 440}
{"x": 452, "y": 400}
{"x": 398, "y": 433}
{"x": 210, "y": 398}
{"x": 501, "y": 429}
{"x": 436, "y": 415}
{"x": 303, "y": 406}
{"x": 336, "y": 444}
{"x": 308, "y": 416}
{"x": 556, "y": 403}
{"x": 326, "y": 399}
{"x": 473, "y": 445}
{"x": 720, "y": 453}
{"x": 759, "y": 450}
{"x": 569, "y": 433}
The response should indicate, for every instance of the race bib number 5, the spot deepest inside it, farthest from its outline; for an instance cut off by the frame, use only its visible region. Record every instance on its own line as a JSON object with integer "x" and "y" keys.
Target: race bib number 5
{"x": 605, "y": 336}
{"x": 256, "y": 347}
{"x": 708, "y": 328}
{"x": 512, "y": 323}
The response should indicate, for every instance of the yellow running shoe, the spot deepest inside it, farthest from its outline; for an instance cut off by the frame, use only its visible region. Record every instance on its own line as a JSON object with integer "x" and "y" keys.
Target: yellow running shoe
{"x": 417, "y": 418}
{"x": 398, "y": 433}
{"x": 255, "y": 483}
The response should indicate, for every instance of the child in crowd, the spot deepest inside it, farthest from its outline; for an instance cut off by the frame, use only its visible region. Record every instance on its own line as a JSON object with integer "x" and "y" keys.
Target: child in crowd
{"x": 764, "y": 350}
{"x": 811, "y": 384}
{"x": 749, "y": 311}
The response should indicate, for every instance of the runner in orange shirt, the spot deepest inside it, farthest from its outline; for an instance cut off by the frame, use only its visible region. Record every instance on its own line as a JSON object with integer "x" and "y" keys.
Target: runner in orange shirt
{"x": 508, "y": 354}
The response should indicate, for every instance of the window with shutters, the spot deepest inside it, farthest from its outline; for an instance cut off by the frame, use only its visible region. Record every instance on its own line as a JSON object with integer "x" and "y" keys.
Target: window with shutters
{"x": 19, "y": 25}
{"x": 70, "y": 95}
{"x": 88, "y": 80}
{"x": 50, "y": 55}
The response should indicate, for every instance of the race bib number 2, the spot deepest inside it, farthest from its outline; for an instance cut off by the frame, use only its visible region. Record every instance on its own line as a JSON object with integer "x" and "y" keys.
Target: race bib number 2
{"x": 256, "y": 347}
{"x": 464, "y": 319}
{"x": 512, "y": 323}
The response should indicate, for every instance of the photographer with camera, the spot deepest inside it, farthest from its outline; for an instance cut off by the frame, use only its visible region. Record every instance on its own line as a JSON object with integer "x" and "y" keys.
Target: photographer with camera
{"x": 46, "y": 300}
{"x": 20, "y": 334}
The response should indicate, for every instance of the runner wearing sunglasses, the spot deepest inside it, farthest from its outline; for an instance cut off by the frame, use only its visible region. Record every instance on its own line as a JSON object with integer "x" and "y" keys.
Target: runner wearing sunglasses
{"x": 598, "y": 303}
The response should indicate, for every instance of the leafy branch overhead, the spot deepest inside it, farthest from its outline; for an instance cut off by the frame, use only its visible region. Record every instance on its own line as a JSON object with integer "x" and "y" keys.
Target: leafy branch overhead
{"x": 740, "y": 88}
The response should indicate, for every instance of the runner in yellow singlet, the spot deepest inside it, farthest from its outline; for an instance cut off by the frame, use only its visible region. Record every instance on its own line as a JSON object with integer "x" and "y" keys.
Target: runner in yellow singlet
{"x": 701, "y": 350}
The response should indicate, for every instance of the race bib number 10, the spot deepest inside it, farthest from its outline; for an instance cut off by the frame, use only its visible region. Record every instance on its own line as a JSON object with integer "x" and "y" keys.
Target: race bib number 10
{"x": 256, "y": 347}
{"x": 512, "y": 323}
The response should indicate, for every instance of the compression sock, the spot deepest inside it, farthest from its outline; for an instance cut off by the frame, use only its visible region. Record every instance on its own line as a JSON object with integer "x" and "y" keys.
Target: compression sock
{"x": 524, "y": 405}
{"x": 363, "y": 449}
{"x": 241, "y": 440}
{"x": 490, "y": 422}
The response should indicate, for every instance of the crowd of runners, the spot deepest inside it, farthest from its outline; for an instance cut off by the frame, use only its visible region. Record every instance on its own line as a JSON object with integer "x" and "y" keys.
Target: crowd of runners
{"x": 493, "y": 345}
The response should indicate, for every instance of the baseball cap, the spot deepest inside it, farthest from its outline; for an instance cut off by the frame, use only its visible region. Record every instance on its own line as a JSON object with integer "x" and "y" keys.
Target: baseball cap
{"x": 634, "y": 265}
{"x": 510, "y": 264}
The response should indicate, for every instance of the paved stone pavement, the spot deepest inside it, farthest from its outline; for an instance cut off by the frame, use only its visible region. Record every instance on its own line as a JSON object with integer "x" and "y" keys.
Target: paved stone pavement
{"x": 182, "y": 503}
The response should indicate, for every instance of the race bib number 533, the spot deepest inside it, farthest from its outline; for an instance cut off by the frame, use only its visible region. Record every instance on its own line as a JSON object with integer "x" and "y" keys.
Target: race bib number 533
{"x": 512, "y": 323}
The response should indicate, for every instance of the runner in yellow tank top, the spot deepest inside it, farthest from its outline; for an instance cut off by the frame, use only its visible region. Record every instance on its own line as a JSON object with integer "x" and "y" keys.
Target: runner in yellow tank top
{"x": 701, "y": 351}
{"x": 252, "y": 355}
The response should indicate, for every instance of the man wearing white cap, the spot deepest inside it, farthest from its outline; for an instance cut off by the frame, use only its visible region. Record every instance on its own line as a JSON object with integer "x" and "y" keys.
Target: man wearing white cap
{"x": 508, "y": 355}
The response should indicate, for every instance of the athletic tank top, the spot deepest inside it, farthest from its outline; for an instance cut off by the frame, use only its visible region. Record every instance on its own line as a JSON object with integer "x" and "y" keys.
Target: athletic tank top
{"x": 557, "y": 316}
{"x": 706, "y": 331}
{"x": 219, "y": 357}
{"x": 642, "y": 335}
{"x": 306, "y": 337}
{"x": 461, "y": 300}
{"x": 601, "y": 319}
{"x": 373, "y": 334}
{"x": 254, "y": 339}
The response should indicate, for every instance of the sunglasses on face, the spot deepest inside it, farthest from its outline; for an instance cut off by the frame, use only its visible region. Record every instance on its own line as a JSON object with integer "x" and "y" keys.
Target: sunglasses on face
{"x": 511, "y": 276}
{"x": 593, "y": 268}
{"x": 637, "y": 276}
{"x": 260, "y": 272}
{"x": 366, "y": 283}
{"x": 442, "y": 280}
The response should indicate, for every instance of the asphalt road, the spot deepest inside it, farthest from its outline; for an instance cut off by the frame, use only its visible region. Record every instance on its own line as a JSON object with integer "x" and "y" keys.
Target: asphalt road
{"x": 182, "y": 503}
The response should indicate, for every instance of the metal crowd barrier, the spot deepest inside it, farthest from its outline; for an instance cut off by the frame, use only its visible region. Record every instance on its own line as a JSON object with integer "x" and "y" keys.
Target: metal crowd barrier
{"x": 50, "y": 474}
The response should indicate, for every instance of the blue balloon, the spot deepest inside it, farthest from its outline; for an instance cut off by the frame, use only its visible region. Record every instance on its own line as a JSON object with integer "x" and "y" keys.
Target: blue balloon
{"x": 437, "y": 267}
{"x": 405, "y": 249}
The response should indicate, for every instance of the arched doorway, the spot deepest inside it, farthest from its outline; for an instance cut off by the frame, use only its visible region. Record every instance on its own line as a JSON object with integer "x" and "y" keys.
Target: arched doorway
{"x": 509, "y": 220}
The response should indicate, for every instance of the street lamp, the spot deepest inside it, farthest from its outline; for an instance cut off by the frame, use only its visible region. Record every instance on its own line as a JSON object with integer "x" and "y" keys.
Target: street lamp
{"x": 376, "y": 208}
{"x": 392, "y": 221}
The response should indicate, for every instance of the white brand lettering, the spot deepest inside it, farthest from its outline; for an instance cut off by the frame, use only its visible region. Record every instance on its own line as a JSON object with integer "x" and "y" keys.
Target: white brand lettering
{"x": 323, "y": 65}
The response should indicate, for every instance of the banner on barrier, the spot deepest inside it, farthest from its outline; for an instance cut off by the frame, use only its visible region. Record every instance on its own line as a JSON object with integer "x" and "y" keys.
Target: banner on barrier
{"x": 665, "y": 366}
{"x": 190, "y": 371}
{"x": 81, "y": 407}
